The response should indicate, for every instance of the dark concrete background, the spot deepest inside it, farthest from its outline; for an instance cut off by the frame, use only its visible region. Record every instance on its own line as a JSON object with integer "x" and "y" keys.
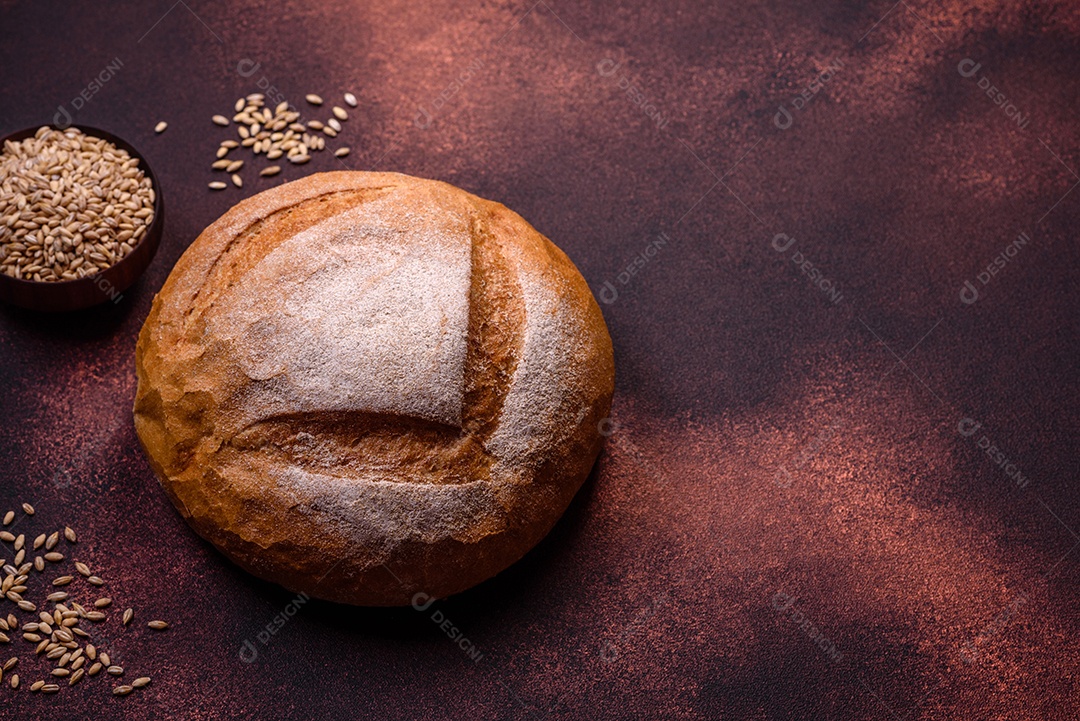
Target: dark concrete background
{"x": 788, "y": 522}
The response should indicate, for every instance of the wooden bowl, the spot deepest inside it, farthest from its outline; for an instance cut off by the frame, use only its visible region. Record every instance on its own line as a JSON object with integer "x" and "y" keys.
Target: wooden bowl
{"x": 105, "y": 285}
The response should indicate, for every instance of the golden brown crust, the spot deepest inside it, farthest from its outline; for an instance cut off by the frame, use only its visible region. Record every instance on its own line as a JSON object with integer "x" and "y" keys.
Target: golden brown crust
{"x": 366, "y": 385}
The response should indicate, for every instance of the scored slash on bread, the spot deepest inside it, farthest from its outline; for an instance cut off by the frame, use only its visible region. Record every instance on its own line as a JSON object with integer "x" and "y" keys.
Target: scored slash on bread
{"x": 366, "y": 385}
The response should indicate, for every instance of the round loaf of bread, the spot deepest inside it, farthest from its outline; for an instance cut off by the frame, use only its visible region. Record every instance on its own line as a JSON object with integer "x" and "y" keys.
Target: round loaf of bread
{"x": 367, "y": 386}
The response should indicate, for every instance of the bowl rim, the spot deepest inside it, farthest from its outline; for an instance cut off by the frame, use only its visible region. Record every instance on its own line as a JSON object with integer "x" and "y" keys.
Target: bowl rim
{"x": 119, "y": 142}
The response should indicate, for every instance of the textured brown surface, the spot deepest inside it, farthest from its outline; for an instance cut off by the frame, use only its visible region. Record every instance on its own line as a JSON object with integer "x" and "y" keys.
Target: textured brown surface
{"x": 768, "y": 442}
{"x": 310, "y": 463}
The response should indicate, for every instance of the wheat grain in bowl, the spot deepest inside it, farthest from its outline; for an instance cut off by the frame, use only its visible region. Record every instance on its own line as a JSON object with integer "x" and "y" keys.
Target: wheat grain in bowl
{"x": 71, "y": 205}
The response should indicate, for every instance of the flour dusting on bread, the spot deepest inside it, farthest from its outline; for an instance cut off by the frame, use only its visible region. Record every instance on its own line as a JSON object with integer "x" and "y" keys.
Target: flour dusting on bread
{"x": 362, "y": 312}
